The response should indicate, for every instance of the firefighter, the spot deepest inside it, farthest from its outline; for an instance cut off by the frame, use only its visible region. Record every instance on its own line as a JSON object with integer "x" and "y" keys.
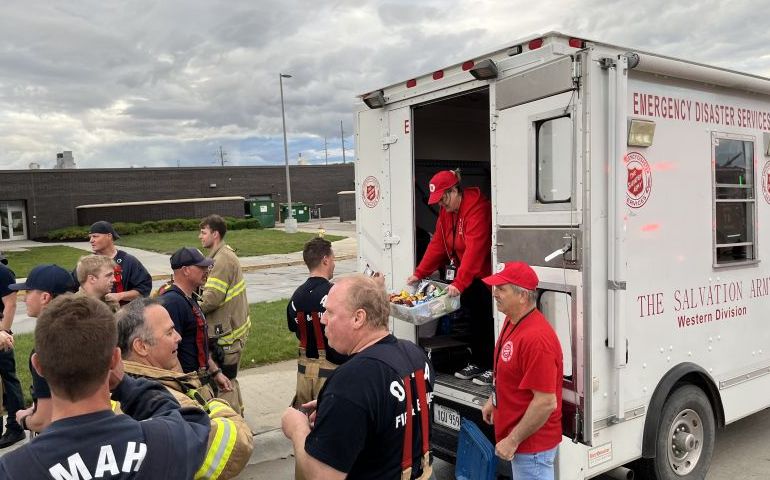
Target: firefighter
{"x": 148, "y": 342}
{"x": 225, "y": 305}
{"x": 316, "y": 361}
{"x": 96, "y": 276}
{"x": 373, "y": 414}
{"x": 131, "y": 278}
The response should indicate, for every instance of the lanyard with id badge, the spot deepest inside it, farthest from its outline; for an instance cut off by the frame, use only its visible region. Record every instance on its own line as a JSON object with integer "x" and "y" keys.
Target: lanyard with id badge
{"x": 450, "y": 270}
{"x": 504, "y": 336}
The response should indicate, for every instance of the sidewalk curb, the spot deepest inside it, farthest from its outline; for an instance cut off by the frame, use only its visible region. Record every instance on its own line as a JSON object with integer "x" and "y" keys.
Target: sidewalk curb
{"x": 254, "y": 268}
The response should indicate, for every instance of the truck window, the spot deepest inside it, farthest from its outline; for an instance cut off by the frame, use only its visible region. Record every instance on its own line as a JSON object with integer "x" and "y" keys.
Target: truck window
{"x": 734, "y": 202}
{"x": 557, "y": 309}
{"x": 553, "y": 138}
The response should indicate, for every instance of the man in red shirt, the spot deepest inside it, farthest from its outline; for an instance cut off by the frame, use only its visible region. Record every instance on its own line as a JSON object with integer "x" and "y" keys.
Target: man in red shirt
{"x": 525, "y": 405}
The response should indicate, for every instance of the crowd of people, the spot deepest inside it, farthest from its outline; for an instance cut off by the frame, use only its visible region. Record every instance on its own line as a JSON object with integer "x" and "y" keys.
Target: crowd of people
{"x": 107, "y": 357}
{"x": 155, "y": 376}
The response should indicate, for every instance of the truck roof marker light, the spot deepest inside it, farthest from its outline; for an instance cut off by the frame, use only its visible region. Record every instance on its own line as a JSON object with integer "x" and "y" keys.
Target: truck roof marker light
{"x": 640, "y": 133}
{"x": 468, "y": 65}
{"x": 411, "y": 83}
{"x": 438, "y": 75}
{"x": 484, "y": 70}
{"x": 515, "y": 50}
{"x": 576, "y": 43}
{"x": 375, "y": 99}
{"x": 535, "y": 44}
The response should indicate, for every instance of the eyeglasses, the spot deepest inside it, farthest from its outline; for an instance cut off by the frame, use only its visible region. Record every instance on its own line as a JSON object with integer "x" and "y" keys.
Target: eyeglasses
{"x": 445, "y": 197}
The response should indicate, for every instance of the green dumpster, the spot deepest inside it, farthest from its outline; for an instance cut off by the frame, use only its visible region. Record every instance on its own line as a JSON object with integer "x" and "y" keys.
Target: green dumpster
{"x": 299, "y": 210}
{"x": 264, "y": 211}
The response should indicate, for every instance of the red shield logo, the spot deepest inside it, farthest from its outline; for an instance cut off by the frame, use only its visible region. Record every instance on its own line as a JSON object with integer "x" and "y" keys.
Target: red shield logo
{"x": 370, "y": 192}
{"x": 635, "y": 181}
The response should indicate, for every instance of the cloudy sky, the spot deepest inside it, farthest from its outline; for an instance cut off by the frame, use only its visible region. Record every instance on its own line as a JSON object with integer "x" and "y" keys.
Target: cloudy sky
{"x": 167, "y": 82}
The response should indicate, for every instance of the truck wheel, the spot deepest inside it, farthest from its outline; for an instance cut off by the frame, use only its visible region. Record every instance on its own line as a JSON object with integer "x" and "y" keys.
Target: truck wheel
{"x": 685, "y": 436}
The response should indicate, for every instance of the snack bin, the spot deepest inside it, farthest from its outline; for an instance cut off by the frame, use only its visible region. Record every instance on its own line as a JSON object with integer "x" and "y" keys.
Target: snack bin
{"x": 425, "y": 312}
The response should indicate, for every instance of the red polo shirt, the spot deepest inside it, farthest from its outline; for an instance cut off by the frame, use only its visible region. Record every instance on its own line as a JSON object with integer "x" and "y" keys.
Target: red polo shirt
{"x": 527, "y": 357}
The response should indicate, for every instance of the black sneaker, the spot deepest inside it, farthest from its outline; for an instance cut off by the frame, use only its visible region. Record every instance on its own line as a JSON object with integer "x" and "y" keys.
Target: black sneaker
{"x": 468, "y": 372}
{"x": 484, "y": 378}
{"x": 10, "y": 437}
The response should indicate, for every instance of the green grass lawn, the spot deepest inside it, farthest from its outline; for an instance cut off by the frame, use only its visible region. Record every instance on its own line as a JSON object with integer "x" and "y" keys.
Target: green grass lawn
{"x": 22, "y": 262}
{"x": 269, "y": 342}
{"x": 246, "y": 242}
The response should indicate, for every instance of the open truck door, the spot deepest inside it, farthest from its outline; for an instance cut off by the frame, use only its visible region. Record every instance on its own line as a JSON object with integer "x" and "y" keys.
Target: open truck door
{"x": 384, "y": 198}
{"x": 538, "y": 158}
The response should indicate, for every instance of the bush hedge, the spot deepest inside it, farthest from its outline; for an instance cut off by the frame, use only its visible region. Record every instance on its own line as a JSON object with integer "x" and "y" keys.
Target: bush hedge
{"x": 80, "y": 233}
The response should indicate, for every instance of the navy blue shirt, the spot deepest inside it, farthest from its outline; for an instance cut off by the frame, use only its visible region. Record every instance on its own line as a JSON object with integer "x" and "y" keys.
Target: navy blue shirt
{"x": 105, "y": 445}
{"x": 190, "y": 322}
{"x": 308, "y": 298}
{"x": 132, "y": 273}
{"x": 6, "y": 278}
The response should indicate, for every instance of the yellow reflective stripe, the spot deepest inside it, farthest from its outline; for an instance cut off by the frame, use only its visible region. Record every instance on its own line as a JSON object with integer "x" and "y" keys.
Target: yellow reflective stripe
{"x": 215, "y": 406}
{"x": 114, "y": 404}
{"x": 219, "y": 451}
{"x": 237, "y": 289}
{"x": 235, "y": 334}
{"x": 216, "y": 284}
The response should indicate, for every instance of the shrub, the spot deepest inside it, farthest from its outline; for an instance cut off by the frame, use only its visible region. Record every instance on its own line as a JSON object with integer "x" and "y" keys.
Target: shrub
{"x": 158, "y": 226}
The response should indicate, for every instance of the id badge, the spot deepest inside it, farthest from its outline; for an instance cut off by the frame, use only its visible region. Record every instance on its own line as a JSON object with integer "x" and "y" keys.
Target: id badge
{"x": 451, "y": 270}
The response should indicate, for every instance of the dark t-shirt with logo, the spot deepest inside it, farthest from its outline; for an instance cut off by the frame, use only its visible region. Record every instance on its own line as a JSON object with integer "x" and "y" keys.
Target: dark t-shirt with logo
{"x": 308, "y": 298}
{"x": 359, "y": 428}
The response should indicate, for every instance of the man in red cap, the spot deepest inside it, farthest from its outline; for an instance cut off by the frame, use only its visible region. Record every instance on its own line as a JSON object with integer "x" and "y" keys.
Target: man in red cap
{"x": 462, "y": 245}
{"x": 525, "y": 405}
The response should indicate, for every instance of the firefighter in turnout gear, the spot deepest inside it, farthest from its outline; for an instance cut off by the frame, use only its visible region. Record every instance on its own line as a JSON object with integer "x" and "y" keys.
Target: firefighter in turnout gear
{"x": 316, "y": 360}
{"x": 224, "y": 303}
{"x": 148, "y": 342}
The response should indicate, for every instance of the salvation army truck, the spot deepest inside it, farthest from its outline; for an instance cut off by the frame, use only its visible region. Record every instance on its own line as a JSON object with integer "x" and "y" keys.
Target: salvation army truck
{"x": 638, "y": 188}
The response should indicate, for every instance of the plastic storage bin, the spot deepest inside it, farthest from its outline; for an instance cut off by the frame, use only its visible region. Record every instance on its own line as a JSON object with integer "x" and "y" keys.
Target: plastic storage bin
{"x": 476, "y": 459}
{"x": 425, "y": 312}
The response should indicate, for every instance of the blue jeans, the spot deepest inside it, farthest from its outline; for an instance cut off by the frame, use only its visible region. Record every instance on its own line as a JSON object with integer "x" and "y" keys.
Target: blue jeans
{"x": 533, "y": 466}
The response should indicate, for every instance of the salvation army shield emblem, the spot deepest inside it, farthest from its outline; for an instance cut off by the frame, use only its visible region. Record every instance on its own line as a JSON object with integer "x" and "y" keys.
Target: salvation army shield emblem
{"x": 638, "y": 180}
{"x": 370, "y": 191}
{"x": 635, "y": 181}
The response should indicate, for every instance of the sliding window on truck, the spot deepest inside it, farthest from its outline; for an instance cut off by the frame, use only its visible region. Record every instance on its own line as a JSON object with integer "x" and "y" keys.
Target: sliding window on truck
{"x": 734, "y": 200}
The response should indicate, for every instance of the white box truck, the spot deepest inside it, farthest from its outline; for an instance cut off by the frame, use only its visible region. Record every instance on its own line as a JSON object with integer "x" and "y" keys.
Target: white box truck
{"x": 649, "y": 177}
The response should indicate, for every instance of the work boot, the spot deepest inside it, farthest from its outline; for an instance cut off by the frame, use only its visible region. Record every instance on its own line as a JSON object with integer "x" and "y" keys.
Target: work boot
{"x": 10, "y": 437}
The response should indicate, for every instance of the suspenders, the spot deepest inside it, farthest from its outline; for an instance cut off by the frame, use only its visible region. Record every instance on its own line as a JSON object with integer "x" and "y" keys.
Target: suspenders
{"x": 410, "y": 367}
{"x": 317, "y": 332}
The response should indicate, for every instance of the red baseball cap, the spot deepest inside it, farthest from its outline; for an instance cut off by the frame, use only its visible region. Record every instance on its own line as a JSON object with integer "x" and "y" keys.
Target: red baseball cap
{"x": 439, "y": 184}
{"x": 516, "y": 273}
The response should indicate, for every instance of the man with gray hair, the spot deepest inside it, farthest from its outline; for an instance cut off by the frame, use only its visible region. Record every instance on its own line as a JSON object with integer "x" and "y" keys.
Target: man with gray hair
{"x": 369, "y": 402}
{"x": 148, "y": 343}
{"x": 525, "y": 405}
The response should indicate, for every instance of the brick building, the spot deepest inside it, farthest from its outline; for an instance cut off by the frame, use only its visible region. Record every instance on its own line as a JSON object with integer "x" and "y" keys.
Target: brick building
{"x": 32, "y": 202}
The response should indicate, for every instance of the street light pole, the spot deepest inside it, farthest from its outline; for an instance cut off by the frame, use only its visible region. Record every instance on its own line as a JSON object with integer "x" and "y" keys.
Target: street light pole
{"x": 290, "y": 223}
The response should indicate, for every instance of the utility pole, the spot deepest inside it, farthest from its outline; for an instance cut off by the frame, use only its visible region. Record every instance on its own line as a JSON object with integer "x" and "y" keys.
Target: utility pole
{"x": 222, "y": 155}
{"x": 326, "y": 151}
{"x": 342, "y": 137}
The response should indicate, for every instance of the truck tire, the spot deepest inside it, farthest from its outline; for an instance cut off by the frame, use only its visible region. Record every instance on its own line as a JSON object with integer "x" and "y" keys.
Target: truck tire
{"x": 685, "y": 440}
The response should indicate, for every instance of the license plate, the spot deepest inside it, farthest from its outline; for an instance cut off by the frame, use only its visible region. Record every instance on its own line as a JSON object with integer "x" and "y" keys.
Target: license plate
{"x": 446, "y": 416}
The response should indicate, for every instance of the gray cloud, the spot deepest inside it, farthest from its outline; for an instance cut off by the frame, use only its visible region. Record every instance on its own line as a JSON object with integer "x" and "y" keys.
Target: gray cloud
{"x": 155, "y": 83}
